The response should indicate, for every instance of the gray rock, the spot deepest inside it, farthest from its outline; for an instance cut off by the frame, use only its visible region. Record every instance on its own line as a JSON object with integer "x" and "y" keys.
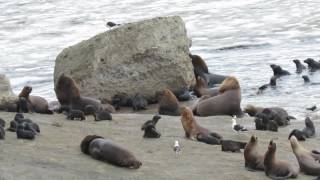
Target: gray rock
{"x": 141, "y": 57}
{"x": 7, "y": 97}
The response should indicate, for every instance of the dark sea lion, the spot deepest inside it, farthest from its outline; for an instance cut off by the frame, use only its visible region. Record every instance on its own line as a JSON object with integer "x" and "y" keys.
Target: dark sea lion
{"x": 309, "y": 161}
{"x": 2, "y": 122}
{"x": 149, "y": 128}
{"x": 272, "y": 84}
{"x": 76, "y": 115}
{"x": 300, "y": 67}
{"x": 18, "y": 116}
{"x": 112, "y": 24}
{"x": 120, "y": 100}
{"x": 139, "y": 102}
{"x": 253, "y": 159}
{"x": 307, "y": 80}
{"x": 102, "y": 149}
{"x": 201, "y": 88}
{"x": 278, "y": 71}
{"x": 23, "y": 105}
{"x": 309, "y": 130}
{"x": 35, "y": 103}
{"x": 233, "y": 146}
{"x": 312, "y": 64}
{"x": 89, "y": 110}
{"x": 168, "y": 103}
{"x": 277, "y": 169}
{"x": 194, "y": 131}
{"x": 263, "y": 122}
{"x": 201, "y": 69}
{"x": 298, "y": 134}
{"x": 226, "y": 103}
{"x": 68, "y": 93}
{"x": 23, "y": 133}
{"x": 102, "y": 115}
{"x": 2, "y": 132}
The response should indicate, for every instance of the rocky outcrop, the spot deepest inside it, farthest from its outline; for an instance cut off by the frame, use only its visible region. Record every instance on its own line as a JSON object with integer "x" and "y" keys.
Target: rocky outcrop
{"x": 7, "y": 97}
{"x": 141, "y": 57}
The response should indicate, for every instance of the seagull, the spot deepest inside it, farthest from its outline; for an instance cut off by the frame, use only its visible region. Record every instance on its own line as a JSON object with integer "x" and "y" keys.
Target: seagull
{"x": 176, "y": 147}
{"x": 237, "y": 127}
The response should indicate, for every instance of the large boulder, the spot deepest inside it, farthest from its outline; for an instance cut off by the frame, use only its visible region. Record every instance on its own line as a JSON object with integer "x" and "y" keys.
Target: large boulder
{"x": 141, "y": 57}
{"x": 7, "y": 98}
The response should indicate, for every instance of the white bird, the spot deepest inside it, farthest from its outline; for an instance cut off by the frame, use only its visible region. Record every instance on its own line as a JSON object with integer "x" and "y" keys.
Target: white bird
{"x": 176, "y": 147}
{"x": 237, "y": 127}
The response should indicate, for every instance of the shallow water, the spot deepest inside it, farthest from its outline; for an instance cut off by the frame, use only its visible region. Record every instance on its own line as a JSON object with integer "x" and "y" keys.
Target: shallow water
{"x": 236, "y": 37}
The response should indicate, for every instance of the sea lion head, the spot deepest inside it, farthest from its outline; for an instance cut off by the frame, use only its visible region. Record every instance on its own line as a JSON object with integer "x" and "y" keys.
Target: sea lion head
{"x": 25, "y": 91}
{"x": 253, "y": 139}
{"x": 296, "y": 147}
{"x": 86, "y": 142}
{"x": 309, "y": 61}
{"x": 309, "y": 123}
{"x": 306, "y": 78}
{"x": 272, "y": 146}
{"x": 296, "y": 61}
{"x": 198, "y": 63}
{"x": 229, "y": 83}
{"x": 186, "y": 113}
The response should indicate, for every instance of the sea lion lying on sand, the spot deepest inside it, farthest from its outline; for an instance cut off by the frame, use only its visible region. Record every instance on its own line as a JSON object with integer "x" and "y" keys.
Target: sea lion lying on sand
{"x": 103, "y": 149}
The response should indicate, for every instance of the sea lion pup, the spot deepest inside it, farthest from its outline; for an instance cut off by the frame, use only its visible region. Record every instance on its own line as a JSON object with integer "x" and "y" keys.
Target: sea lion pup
{"x": 35, "y": 103}
{"x": 103, "y": 149}
{"x": 194, "y": 131}
{"x": 68, "y": 93}
{"x": 277, "y": 169}
{"x": 226, "y": 103}
{"x": 233, "y": 146}
{"x": 263, "y": 122}
{"x": 278, "y": 71}
{"x": 139, "y": 102}
{"x": 168, "y": 103}
{"x": 272, "y": 84}
{"x": 309, "y": 161}
{"x": 201, "y": 88}
{"x": 2, "y": 122}
{"x": 253, "y": 159}
{"x": 201, "y": 69}
{"x": 24, "y": 133}
{"x": 76, "y": 115}
{"x": 300, "y": 67}
{"x": 149, "y": 128}
{"x": 312, "y": 64}
{"x": 309, "y": 130}
{"x": 98, "y": 116}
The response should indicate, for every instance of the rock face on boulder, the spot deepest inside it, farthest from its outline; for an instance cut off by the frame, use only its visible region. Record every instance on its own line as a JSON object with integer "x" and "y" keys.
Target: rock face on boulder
{"x": 141, "y": 57}
{"x": 7, "y": 97}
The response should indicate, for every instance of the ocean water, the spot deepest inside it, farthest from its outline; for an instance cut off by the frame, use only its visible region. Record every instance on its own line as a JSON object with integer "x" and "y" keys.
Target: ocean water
{"x": 235, "y": 37}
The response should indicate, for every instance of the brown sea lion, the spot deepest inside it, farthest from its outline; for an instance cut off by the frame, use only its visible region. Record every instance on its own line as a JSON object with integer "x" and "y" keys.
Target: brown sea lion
{"x": 68, "y": 93}
{"x": 34, "y": 103}
{"x": 309, "y": 161}
{"x": 168, "y": 103}
{"x": 253, "y": 159}
{"x": 201, "y": 88}
{"x": 194, "y": 131}
{"x": 226, "y": 103}
{"x": 278, "y": 169}
{"x": 103, "y": 149}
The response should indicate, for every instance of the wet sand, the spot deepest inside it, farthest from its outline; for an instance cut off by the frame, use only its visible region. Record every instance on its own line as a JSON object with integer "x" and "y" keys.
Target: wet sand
{"x": 55, "y": 153}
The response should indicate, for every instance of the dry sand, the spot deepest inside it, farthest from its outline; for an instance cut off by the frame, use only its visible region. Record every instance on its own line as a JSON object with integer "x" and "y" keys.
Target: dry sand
{"x": 55, "y": 153}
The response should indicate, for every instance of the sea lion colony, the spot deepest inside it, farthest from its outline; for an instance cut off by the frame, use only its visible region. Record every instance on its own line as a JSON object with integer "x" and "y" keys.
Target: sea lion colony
{"x": 219, "y": 95}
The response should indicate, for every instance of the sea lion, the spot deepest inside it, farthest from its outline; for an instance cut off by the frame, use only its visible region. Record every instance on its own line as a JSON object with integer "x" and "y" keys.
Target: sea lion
{"x": 2, "y": 122}
{"x": 201, "y": 88}
{"x": 309, "y": 130}
{"x": 76, "y": 115}
{"x": 309, "y": 161}
{"x": 102, "y": 115}
{"x": 312, "y": 64}
{"x": 201, "y": 69}
{"x": 263, "y": 122}
{"x": 278, "y": 71}
{"x": 24, "y": 133}
{"x": 194, "y": 131}
{"x": 272, "y": 84}
{"x": 278, "y": 169}
{"x": 103, "y": 149}
{"x": 168, "y": 103}
{"x": 2, "y": 132}
{"x": 300, "y": 67}
{"x": 68, "y": 93}
{"x": 253, "y": 159}
{"x": 252, "y": 110}
{"x": 139, "y": 102}
{"x": 149, "y": 128}
{"x": 298, "y": 134}
{"x": 226, "y": 103}
{"x": 112, "y": 24}
{"x": 121, "y": 99}
{"x": 233, "y": 146}
{"x": 307, "y": 80}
